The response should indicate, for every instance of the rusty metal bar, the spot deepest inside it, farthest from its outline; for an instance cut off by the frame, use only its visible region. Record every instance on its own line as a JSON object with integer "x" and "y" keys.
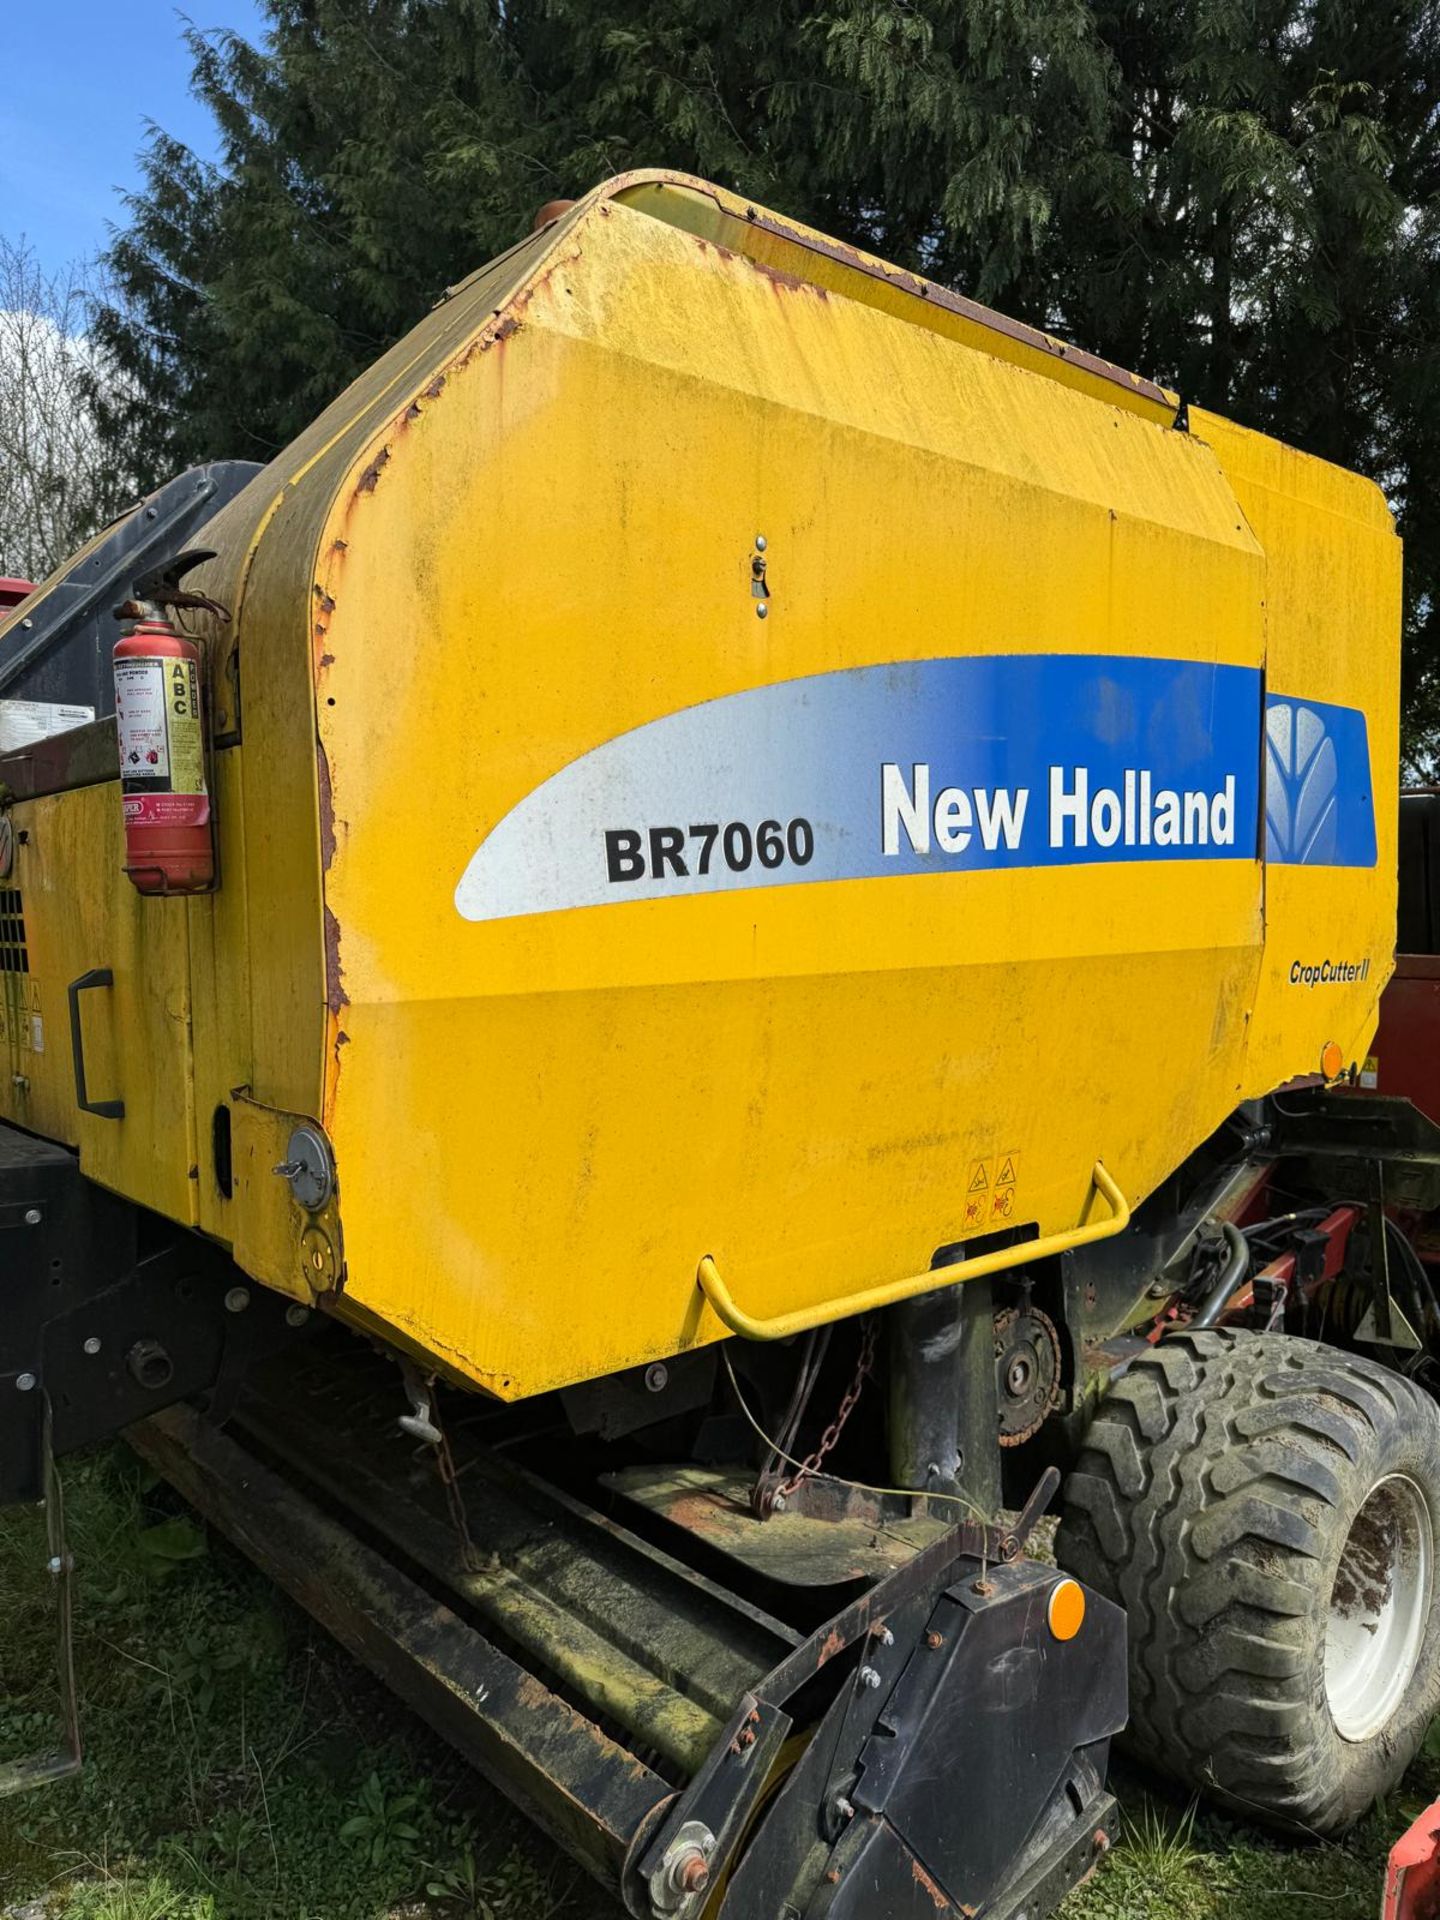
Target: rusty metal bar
{"x": 584, "y": 1789}
{"x": 646, "y": 1647}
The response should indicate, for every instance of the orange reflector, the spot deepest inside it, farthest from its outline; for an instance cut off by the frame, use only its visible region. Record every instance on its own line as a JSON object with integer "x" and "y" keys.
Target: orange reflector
{"x": 1065, "y": 1611}
{"x": 1332, "y": 1060}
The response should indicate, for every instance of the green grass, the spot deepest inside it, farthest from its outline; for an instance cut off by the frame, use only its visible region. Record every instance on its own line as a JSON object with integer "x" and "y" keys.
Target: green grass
{"x": 240, "y": 1767}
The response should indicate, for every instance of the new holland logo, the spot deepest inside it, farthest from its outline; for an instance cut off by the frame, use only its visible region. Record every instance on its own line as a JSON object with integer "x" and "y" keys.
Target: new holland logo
{"x": 1301, "y": 780}
{"x": 968, "y": 763}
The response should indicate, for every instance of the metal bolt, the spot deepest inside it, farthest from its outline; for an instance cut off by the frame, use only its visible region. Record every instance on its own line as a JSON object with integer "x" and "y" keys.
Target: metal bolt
{"x": 691, "y": 1872}
{"x": 237, "y": 1299}
{"x": 777, "y": 1505}
{"x": 934, "y": 1641}
{"x": 982, "y": 1587}
{"x": 296, "y": 1316}
{"x": 843, "y": 1809}
{"x": 92, "y": 1346}
{"x": 20, "y": 1082}
{"x": 869, "y": 1677}
{"x": 33, "y": 1216}
{"x": 657, "y": 1377}
{"x": 25, "y": 1383}
{"x": 1101, "y": 1842}
{"x": 762, "y": 610}
{"x": 55, "y": 1564}
{"x": 760, "y": 542}
{"x": 887, "y": 1638}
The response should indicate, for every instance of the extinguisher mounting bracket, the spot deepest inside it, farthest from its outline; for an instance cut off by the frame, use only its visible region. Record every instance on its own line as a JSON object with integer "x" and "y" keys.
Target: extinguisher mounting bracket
{"x": 160, "y": 587}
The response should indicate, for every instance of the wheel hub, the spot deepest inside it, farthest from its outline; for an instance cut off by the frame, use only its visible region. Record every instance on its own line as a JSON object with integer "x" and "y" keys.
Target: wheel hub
{"x": 1379, "y": 1606}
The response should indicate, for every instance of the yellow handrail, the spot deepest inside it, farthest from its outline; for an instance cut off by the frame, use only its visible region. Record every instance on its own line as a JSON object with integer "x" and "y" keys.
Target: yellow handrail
{"x": 784, "y": 1324}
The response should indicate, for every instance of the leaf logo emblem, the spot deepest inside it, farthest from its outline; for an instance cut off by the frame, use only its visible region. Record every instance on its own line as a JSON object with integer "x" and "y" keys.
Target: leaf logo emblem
{"x": 1301, "y": 805}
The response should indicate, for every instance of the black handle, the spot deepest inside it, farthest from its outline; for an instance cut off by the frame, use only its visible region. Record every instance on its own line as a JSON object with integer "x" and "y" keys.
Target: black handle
{"x": 107, "y": 1109}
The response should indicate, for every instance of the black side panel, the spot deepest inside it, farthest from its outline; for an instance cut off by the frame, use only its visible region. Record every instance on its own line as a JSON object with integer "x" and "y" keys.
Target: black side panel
{"x": 963, "y": 1778}
{"x": 60, "y": 650}
{"x": 107, "y": 1314}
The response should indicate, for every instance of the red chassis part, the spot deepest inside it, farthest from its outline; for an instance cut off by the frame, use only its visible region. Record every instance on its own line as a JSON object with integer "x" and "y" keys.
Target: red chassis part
{"x": 1406, "y": 1049}
{"x": 1336, "y": 1227}
{"x": 1412, "y": 1876}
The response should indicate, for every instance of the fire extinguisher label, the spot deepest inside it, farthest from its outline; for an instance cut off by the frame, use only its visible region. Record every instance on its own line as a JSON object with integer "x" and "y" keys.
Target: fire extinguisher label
{"x": 162, "y": 755}
{"x": 182, "y": 713}
{"x": 140, "y": 719}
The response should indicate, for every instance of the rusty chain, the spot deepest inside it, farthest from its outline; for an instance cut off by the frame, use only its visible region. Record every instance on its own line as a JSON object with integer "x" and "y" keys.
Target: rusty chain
{"x": 812, "y": 1463}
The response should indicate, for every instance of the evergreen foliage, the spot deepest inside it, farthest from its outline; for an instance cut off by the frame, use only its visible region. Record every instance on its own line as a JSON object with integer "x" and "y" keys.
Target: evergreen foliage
{"x": 1238, "y": 197}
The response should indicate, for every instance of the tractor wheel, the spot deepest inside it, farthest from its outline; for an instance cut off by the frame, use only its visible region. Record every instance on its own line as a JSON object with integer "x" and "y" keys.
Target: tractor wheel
{"x": 1267, "y": 1511}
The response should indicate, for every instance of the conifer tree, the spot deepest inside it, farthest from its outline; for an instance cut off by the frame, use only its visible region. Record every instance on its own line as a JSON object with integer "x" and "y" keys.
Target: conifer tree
{"x": 1240, "y": 198}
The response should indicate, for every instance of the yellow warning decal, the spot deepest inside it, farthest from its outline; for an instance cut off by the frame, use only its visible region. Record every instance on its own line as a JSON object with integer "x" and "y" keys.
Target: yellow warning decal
{"x": 979, "y": 1177}
{"x": 1009, "y": 1170}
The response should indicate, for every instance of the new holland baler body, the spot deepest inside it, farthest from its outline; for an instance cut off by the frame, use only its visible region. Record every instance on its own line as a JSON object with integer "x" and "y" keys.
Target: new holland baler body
{"x": 739, "y": 778}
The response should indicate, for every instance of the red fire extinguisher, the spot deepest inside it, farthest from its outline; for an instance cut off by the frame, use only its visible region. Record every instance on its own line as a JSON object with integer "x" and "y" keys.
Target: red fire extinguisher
{"x": 160, "y": 720}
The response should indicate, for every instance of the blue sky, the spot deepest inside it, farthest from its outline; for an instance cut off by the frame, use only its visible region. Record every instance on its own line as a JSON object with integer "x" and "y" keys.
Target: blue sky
{"x": 81, "y": 80}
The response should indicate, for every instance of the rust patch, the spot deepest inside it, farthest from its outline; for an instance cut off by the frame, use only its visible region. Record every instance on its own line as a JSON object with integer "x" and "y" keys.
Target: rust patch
{"x": 370, "y": 478}
{"x": 412, "y": 412}
{"x": 832, "y": 1644}
{"x": 336, "y": 997}
{"x": 327, "y": 604}
{"x": 789, "y": 282}
{"x": 327, "y": 809}
{"x": 935, "y": 1891}
{"x": 326, "y": 659}
{"x": 436, "y": 387}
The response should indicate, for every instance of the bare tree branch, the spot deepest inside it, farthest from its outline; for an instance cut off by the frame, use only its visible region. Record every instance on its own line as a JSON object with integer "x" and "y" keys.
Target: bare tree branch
{"x": 58, "y": 481}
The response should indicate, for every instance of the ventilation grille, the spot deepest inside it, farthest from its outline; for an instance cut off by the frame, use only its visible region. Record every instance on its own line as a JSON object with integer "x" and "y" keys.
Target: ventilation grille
{"x": 13, "y": 957}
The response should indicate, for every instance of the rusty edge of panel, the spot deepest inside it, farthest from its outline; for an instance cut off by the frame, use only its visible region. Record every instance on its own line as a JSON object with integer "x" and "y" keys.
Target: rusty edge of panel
{"x": 928, "y": 291}
{"x": 583, "y": 1788}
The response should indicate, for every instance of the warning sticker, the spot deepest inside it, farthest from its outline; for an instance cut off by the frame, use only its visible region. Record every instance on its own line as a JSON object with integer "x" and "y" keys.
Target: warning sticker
{"x": 23, "y": 722}
{"x": 1370, "y": 1072}
{"x": 1002, "y": 1203}
{"x": 979, "y": 1177}
{"x": 21, "y": 1024}
{"x": 1007, "y": 1174}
